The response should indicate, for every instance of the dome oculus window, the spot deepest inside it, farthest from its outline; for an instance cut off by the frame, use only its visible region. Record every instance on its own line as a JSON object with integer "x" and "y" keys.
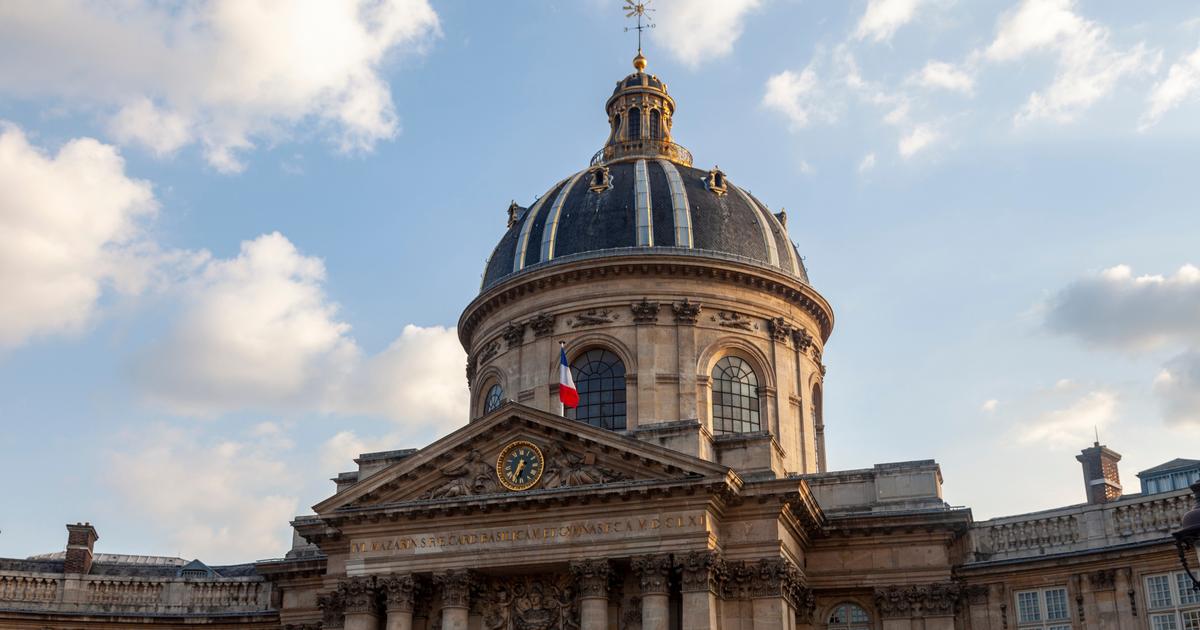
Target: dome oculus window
{"x": 495, "y": 398}
{"x": 735, "y": 406}
{"x": 849, "y": 617}
{"x": 600, "y": 380}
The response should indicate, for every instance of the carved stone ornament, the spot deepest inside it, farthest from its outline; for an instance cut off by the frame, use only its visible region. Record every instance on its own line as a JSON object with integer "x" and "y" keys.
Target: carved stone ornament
{"x": 591, "y": 577}
{"x": 593, "y": 317}
{"x": 529, "y": 602}
{"x": 1103, "y": 579}
{"x": 654, "y": 572}
{"x": 514, "y": 334}
{"x": 568, "y": 468}
{"x": 599, "y": 179}
{"x": 801, "y": 339}
{"x": 780, "y": 330}
{"x": 332, "y": 606}
{"x": 701, "y": 571}
{"x": 730, "y": 319}
{"x": 358, "y": 594}
{"x": 739, "y": 578}
{"x": 686, "y": 312}
{"x": 470, "y": 371}
{"x": 773, "y": 577}
{"x": 455, "y": 587}
{"x": 473, "y": 476}
{"x": 715, "y": 181}
{"x": 645, "y": 312}
{"x": 542, "y": 325}
{"x": 398, "y": 591}
{"x": 488, "y": 353}
{"x": 631, "y": 613}
{"x": 514, "y": 211}
{"x": 928, "y": 600}
{"x": 805, "y": 603}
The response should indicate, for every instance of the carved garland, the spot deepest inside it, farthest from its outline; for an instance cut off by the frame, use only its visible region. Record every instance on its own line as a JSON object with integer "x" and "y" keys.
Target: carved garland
{"x": 928, "y": 600}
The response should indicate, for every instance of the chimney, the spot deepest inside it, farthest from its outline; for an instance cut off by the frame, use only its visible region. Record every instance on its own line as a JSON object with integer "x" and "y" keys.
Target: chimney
{"x": 1101, "y": 481}
{"x": 80, "y": 539}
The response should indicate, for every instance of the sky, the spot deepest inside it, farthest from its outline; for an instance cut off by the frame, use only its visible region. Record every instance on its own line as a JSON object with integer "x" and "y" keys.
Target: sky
{"x": 236, "y": 236}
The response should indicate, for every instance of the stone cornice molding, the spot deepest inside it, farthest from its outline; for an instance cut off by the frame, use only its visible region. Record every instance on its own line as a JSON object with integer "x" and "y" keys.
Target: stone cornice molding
{"x": 654, "y": 573}
{"x": 925, "y": 600}
{"x": 568, "y": 273}
{"x": 592, "y": 577}
{"x": 700, "y": 571}
{"x": 455, "y": 587}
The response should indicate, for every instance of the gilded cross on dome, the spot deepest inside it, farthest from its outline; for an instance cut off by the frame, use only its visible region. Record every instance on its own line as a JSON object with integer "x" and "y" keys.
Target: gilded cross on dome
{"x": 640, "y": 11}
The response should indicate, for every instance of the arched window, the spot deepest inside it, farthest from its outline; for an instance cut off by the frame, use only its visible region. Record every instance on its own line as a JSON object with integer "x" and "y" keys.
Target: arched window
{"x": 635, "y": 124}
{"x": 849, "y": 617}
{"x": 495, "y": 398}
{"x": 655, "y": 124}
{"x": 616, "y": 126}
{"x": 600, "y": 380}
{"x": 734, "y": 397}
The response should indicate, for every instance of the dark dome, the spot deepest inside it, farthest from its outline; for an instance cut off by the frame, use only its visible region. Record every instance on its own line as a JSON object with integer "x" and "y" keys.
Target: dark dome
{"x": 683, "y": 210}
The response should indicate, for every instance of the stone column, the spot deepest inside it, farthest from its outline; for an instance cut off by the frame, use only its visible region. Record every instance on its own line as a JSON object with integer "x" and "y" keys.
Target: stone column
{"x": 591, "y": 577}
{"x": 398, "y": 600}
{"x": 701, "y": 573}
{"x": 654, "y": 575}
{"x": 362, "y": 608}
{"x": 456, "y": 593}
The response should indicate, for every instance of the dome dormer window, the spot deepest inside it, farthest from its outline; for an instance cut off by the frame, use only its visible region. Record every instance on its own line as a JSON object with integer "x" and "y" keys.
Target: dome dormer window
{"x": 599, "y": 179}
{"x": 716, "y": 181}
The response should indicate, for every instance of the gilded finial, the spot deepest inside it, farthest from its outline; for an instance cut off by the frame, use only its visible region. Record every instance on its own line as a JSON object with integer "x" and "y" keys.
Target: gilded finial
{"x": 639, "y": 62}
{"x": 638, "y": 10}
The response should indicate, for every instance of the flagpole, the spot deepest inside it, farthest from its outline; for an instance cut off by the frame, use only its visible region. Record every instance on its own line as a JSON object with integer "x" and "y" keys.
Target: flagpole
{"x": 562, "y": 409}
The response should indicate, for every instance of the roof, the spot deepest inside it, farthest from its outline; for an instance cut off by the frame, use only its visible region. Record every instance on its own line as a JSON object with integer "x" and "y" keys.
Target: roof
{"x": 1178, "y": 463}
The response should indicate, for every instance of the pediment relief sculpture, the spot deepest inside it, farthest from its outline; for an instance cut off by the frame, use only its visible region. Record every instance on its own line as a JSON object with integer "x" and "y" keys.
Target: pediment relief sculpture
{"x": 568, "y": 468}
{"x": 471, "y": 477}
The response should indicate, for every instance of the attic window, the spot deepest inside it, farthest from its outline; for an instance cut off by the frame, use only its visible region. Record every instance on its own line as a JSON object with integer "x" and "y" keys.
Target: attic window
{"x": 193, "y": 573}
{"x": 599, "y": 179}
{"x": 716, "y": 181}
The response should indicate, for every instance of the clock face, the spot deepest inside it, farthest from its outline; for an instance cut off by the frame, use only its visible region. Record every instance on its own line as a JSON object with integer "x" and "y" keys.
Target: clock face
{"x": 519, "y": 466}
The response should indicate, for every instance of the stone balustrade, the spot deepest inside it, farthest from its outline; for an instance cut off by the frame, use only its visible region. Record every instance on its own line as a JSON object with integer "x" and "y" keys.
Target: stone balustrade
{"x": 157, "y": 595}
{"x": 1137, "y": 518}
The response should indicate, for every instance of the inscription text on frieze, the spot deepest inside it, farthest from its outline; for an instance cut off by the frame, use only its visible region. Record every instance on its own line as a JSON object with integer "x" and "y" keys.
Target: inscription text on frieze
{"x": 531, "y": 534}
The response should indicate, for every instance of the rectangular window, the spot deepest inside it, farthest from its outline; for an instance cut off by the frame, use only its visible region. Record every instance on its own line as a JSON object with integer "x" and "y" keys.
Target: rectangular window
{"x": 1163, "y": 622}
{"x": 1187, "y": 594}
{"x": 1046, "y": 609}
{"x": 1158, "y": 591}
{"x": 1175, "y": 603}
{"x": 1191, "y": 620}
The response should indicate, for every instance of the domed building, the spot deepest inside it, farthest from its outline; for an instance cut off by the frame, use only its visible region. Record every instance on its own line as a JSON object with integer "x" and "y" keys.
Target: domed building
{"x": 687, "y": 489}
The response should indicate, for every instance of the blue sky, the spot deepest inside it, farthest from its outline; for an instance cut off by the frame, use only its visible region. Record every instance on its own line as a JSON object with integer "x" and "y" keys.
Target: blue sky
{"x": 235, "y": 237}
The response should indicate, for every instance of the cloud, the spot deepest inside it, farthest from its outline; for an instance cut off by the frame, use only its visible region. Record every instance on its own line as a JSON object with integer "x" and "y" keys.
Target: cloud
{"x": 220, "y": 500}
{"x": 71, "y": 226}
{"x": 1181, "y": 84}
{"x": 1115, "y": 309}
{"x": 258, "y": 332}
{"x": 1088, "y": 66}
{"x": 989, "y": 406}
{"x": 224, "y": 74}
{"x": 1177, "y": 388}
{"x": 695, "y": 31}
{"x": 1071, "y": 425}
{"x": 796, "y": 96}
{"x": 945, "y": 76}
{"x": 917, "y": 140}
{"x": 867, "y": 163}
{"x": 883, "y": 18}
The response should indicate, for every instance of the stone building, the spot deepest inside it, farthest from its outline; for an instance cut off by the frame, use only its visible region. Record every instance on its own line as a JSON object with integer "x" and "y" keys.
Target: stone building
{"x": 689, "y": 488}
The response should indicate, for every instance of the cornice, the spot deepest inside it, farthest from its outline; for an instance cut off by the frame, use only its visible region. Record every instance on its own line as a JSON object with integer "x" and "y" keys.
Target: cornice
{"x": 566, "y": 272}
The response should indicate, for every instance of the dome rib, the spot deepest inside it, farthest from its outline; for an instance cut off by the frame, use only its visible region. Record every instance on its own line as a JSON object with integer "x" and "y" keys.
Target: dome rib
{"x": 550, "y": 231}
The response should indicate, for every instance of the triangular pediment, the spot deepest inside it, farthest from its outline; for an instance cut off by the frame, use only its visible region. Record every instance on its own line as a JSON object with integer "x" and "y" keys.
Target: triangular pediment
{"x": 574, "y": 457}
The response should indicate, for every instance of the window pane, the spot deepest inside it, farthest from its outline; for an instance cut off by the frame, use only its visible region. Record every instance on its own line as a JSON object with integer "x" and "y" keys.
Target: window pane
{"x": 494, "y": 398}
{"x": 1056, "y": 604}
{"x": 735, "y": 397}
{"x": 1158, "y": 591}
{"x": 600, "y": 380}
{"x": 1027, "y": 607}
{"x": 1187, "y": 594}
{"x": 1191, "y": 620}
{"x": 1163, "y": 622}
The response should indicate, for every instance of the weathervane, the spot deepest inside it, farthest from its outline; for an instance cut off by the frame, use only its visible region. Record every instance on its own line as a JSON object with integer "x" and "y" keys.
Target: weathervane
{"x": 638, "y": 9}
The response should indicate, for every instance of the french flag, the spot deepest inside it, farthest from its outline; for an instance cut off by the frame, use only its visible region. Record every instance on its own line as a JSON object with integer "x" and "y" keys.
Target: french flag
{"x": 566, "y": 385}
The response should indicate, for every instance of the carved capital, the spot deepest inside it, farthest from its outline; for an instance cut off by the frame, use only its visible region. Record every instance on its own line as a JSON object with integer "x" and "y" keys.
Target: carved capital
{"x": 801, "y": 338}
{"x": 654, "y": 573}
{"x": 645, "y": 312}
{"x": 591, "y": 577}
{"x": 456, "y": 587}
{"x": 773, "y": 577}
{"x": 514, "y": 334}
{"x": 398, "y": 591}
{"x": 927, "y": 600}
{"x": 333, "y": 607}
{"x": 701, "y": 571}
{"x": 358, "y": 594}
{"x": 686, "y": 312}
{"x": 805, "y": 603}
{"x": 780, "y": 330}
{"x": 542, "y": 325}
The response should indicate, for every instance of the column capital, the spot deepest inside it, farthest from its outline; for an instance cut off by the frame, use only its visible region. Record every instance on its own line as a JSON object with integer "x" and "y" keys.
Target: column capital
{"x": 701, "y": 571}
{"x": 654, "y": 572}
{"x": 358, "y": 594}
{"x": 592, "y": 576}
{"x": 332, "y": 608}
{"x": 456, "y": 587}
{"x": 398, "y": 592}
{"x": 924, "y": 600}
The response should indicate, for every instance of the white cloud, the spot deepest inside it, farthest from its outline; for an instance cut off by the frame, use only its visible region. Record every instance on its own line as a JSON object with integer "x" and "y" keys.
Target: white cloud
{"x": 883, "y": 18}
{"x": 1177, "y": 387}
{"x": 1088, "y": 66}
{"x": 70, "y": 227}
{"x": 695, "y": 31}
{"x": 1181, "y": 84}
{"x": 220, "y": 500}
{"x": 797, "y": 96}
{"x": 945, "y": 76}
{"x": 226, "y": 74}
{"x": 258, "y": 332}
{"x": 989, "y": 406}
{"x": 1072, "y": 425}
{"x": 867, "y": 163}
{"x": 917, "y": 140}
{"x": 1116, "y": 309}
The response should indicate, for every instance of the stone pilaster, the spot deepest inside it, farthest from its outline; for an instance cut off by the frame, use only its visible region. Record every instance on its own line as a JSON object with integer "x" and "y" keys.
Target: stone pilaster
{"x": 701, "y": 574}
{"x": 398, "y": 592}
{"x": 333, "y": 608}
{"x": 654, "y": 576}
{"x": 361, "y": 603}
{"x": 455, "y": 587}
{"x": 591, "y": 578}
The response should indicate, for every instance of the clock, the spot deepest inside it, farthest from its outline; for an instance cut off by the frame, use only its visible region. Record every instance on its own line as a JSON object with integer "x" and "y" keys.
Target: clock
{"x": 519, "y": 466}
